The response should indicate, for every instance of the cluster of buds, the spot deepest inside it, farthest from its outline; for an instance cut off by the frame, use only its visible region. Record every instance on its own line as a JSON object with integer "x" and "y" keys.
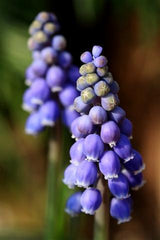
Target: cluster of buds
{"x": 102, "y": 148}
{"x": 51, "y": 77}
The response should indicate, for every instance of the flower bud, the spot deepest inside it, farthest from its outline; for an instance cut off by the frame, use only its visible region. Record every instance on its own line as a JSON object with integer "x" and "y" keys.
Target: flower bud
{"x": 86, "y": 57}
{"x": 74, "y": 129}
{"x": 110, "y": 133}
{"x": 114, "y": 87}
{"x": 49, "y": 112}
{"x": 30, "y": 76}
{"x": 91, "y": 78}
{"x": 27, "y": 104}
{"x": 88, "y": 95}
{"x": 81, "y": 83}
{"x": 34, "y": 27}
{"x": 100, "y": 61}
{"x": 43, "y": 17}
{"x": 33, "y": 124}
{"x": 123, "y": 148}
{"x": 40, "y": 91}
{"x": 65, "y": 59}
{"x": 135, "y": 181}
{"x": 40, "y": 38}
{"x": 117, "y": 114}
{"x": 55, "y": 78}
{"x": 50, "y": 28}
{"x": 59, "y": 42}
{"x": 93, "y": 147}
{"x": 84, "y": 125}
{"x": 121, "y": 209}
{"x": 108, "y": 78}
{"x": 80, "y": 106}
{"x": 67, "y": 95}
{"x": 136, "y": 164}
{"x": 119, "y": 187}
{"x": 126, "y": 127}
{"x": 98, "y": 115}
{"x": 102, "y": 71}
{"x": 39, "y": 67}
{"x": 96, "y": 51}
{"x": 76, "y": 152}
{"x": 101, "y": 89}
{"x": 110, "y": 165}
{"x": 73, "y": 205}
{"x": 86, "y": 174}
{"x": 70, "y": 176}
{"x": 90, "y": 200}
{"x": 110, "y": 101}
{"x": 87, "y": 68}
{"x": 49, "y": 55}
{"x": 73, "y": 74}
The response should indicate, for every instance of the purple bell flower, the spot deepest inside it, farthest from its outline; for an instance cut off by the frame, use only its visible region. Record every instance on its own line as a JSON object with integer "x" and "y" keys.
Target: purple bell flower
{"x": 65, "y": 59}
{"x": 76, "y": 152}
{"x": 93, "y": 147}
{"x": 55, "y": 78}
{"x": 86, "y": 57}
{"x": 49, "y": 112}
{"x": 30, "y": 76}
{"x": 75, "y": 131}
{"x": 68, "y": 116}
{"x": 86, "y": 174}
{"x": 98, "y": 115}
{"x": 123, "y": 148}
{"x": 110, "y": 165}
{"x": 39, "y": 67}
{"x": 110, "y": 101}
{"x": 33, "y": 124}
{"x": 43, "y": 17}
{"x": 49, "y": 55}
{"x": 135, "y": 181}
{"x": 73, "y": 205}
{"x": 91, "y": 200}
{"x": 27, "y": 104}
{"x": 84, "y": 125}
{"x": 136, "y": 164}
{"x": 114, "y": 87}
{"x": 110, "y": 133}
{"x": 40, "y": 91}
{"x": 96, "y": 51}
{"x": 126, "y": 127}
{"x": 100, "y": 61}
{"x": 36, "y": 54}
{"x": 119, "y": 187}
{"x": 59, "y": 42}
{"x": 70, "y": 176}
{"x": 121, "y": 209}
{"x": 67, "y": 95}
{"x": 80, "y": 106}
{"x": 117, "y": 114}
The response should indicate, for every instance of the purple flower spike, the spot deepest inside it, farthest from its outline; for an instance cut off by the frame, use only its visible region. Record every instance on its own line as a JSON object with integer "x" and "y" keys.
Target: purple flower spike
{"x": 117, "y": 114}
{"x": 123, "y": 148}
{"x": 49, "y": 113}
{"x": 136, "y": 164}
{"x": 91, "y": 200}
{"x": 33, "y": 124}
{"x": 40, "y": 91}
{"x": 70, "y": 176}
{"x": 67, "y": 95}
{"x": 96, "y": 51}
{"x": 76, "y": 152}
{"x": 39, "y": 67}
{"x": 49, "y": 55}
{"x": 100, "y": 61}
{"x": 121, "y": 209}
{"x": 98, "y": 115}
{"x": 73, "y": 205}
{"x": 135, "y": 181}
{"x": 59, "y": 42}
{"x": 110, "y": 165}
{"x": 126, "y": 127}
{"x": 86, "y": 57}
{"x": 119, "y": 187}
{"x": 65, "y": 59}
{"x": 68, "y": 116}
{"x": 110, "y": 133}
{"x": 55, "y": 78}
{"x": 80, "y": 106}
{"x": 86, "y": 174}
{"x": 93, "y": 147}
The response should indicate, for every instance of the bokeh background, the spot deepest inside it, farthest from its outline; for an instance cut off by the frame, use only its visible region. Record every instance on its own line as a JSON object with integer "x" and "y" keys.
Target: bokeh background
{"x": 129, "y": 31}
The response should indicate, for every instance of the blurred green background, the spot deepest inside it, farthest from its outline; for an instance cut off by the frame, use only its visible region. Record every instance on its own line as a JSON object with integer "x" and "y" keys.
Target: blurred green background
{"x": 129, "y": 31}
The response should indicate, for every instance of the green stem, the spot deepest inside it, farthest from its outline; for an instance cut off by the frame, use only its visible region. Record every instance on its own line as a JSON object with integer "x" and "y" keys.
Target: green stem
{"x": 101, "y": 222}
{"x": 54, "y": 156}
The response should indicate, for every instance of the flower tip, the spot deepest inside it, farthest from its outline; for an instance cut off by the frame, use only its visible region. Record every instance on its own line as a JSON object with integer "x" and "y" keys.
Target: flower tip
{"x": 124, "y": 220}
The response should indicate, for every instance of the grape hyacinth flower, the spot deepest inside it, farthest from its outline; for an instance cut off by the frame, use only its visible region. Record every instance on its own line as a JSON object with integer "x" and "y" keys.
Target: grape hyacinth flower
{"x": 51, "y": 76}
{"x": 103, "y": 147}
